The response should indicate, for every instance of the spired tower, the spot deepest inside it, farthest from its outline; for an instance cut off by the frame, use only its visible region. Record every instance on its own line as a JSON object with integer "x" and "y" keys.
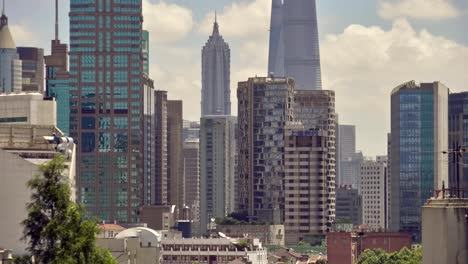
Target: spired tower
{"x": 10, "y": 64}
{"x": 216, "y": 73}
{"x": 294, "y": 43}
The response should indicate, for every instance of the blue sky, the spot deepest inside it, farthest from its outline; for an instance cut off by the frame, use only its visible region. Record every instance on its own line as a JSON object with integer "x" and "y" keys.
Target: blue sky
{"x": 367, "y": 48}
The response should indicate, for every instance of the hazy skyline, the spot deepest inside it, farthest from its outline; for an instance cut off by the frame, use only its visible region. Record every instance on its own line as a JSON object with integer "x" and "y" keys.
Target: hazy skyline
{"x": 368, "y": 47}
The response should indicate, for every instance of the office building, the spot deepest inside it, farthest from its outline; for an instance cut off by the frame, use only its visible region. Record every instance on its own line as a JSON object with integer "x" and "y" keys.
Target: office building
{"x": 349, "y": 170}
{"x": 57, "y": 78}
{"x": 294, "y": 43}
{"x": 389, "y": 181}
{"x": 419, "y": 135}
{"x": 458, "y": 136}
{"x": 267, "y": 234}
{"x": 191, "y": 163}
{"x": 149, "y": 126}
{"x": 309, "y": 200}
{"x": 23, "y": 149}
{"x": 348, "y": 205}
{"x": 161, "y": 191}
{"x": 217, "y": 167}
{"x": 216, "y": 74}
{"x": 32, "y": 63}
{"x": 191, "y": 130}
{"x": 11, "y": 70}
{"x": 107, "y": 106}
{"x": 175, "y": 170}
{"x": 146, "y": 51}
{"x": 347, "y": 146}
{"x": 27, "y": 108}
{"x": 264, "y": 107}
{"x": 373, "y": 189}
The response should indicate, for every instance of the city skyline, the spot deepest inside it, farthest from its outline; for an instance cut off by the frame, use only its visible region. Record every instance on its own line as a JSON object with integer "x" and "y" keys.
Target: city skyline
{"x": 372, "y": 26}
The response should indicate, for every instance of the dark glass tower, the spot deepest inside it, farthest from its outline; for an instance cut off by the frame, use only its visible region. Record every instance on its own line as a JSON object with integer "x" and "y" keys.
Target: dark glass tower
{"x": 107, "y": 106}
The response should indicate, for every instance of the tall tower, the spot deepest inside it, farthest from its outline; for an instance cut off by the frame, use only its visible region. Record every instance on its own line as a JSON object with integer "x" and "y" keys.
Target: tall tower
{"x": 216, "y": 74}
{"x": 10, "y": 64}
{"x": 294, "y": 43}
{"x": 107, "y": 106}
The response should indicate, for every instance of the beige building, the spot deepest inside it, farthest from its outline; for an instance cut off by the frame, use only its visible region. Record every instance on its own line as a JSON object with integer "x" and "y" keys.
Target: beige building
{"x": 267, "y": 234}
{"x": 211, "y": 250}
{"x": 5, "y": 256}
{"x": 23, "y": 149}
{"x": 373, "y": 189}
{"x": 306, "y": 190}
{"x": 27, "y": 108}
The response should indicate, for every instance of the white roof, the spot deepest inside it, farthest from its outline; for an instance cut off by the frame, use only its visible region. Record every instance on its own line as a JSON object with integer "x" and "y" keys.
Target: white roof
{"x": 147, "y": 235}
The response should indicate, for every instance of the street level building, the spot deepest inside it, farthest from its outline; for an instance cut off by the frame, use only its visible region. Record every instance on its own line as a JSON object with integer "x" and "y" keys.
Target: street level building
{"x": 217, "y": 167}
{"x": 216, "y": 75}
{"x": 419, "y": 136}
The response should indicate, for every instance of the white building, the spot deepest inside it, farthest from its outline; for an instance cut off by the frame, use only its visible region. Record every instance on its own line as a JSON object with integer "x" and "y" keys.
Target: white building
{"x": 372, "y": 187}
{"x": 27, "y": 108}
{"x": 23, "y": 149}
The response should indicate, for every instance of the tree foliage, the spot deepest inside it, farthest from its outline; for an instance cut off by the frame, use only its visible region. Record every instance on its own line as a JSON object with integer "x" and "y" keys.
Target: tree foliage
{"x": 55, "y": 229}
{"x": 378, "y": 256}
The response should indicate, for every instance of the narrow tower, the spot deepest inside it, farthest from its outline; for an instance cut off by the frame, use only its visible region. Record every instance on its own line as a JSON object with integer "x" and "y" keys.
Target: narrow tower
{"x": 216, "y": 71}
{"x": 276, "y": 50}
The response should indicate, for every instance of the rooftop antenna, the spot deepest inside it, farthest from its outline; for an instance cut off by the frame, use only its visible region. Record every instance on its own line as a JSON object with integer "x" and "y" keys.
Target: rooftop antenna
{"x": 3, "y": 9}
{"x": 56, "y": 20}
{"x": 216, "y": 16}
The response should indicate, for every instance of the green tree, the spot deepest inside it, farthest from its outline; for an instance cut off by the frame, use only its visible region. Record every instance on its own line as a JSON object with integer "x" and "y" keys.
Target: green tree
{"x": 378, "y": 256}
{"x": 373, "y": 256}
{"x": 56, "y": 230}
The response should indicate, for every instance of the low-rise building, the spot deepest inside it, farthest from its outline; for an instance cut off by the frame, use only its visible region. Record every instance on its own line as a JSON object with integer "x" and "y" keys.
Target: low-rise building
{"x": 346, "y": 247}
{"x": 211, "y": 250}
{"x": 5, "y": 256}
{"x": 27, "y": 109}
{"x": 23, "y": 149}
{"x": 268, "y": 234}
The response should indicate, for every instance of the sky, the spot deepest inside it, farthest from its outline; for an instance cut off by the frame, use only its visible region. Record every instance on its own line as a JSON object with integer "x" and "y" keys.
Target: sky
{"x": 368, "y": 47}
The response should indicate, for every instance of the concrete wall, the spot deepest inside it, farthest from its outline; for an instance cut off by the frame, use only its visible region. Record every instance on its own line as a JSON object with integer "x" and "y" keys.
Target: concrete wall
{"x": 445, "y": 231}
{"x": 32, "y": 106}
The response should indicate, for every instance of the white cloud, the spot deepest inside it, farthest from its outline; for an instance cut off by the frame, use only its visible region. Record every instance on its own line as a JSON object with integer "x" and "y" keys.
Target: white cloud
{"x": 240, "y": 20}
{"x": 420, "y": 9}
{"x": 363, "y": 65}
{"x": 166, "y": 22}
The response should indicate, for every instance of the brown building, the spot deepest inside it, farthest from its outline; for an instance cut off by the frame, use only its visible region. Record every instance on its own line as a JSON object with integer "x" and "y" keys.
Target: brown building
{"x": 192, "y": 180}
{"x": 175, "y": 170}
{"x": 158, "y": 217}
{"x": 161, "y": 192}
{"x": 346, "y": 247}
{"x": 32, "y": 69}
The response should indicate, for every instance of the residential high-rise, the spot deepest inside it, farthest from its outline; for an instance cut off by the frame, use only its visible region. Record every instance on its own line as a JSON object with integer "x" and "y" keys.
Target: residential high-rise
{"x": 309, "y": 199}
{"x": 349, "y": 170}
{"x": 192, "y": 179}
{"x": 10, "y": 70}
{"x": 373, "y": 189}
{"x": 216, "y": 72}
{"x": 264, "y": 107}
{"x": 175, "y": 172}
{"x": 107, "y": 106}
{"x": 217, "y": 167}
{"x": 389, "y": 180}
{"x": 294, "y": 43}
{"x": 348, "y": 205}
{"x": 57, "y": 78}
{"x": 32, "y": 60}
{"x": 458, "y": 136}
{"x": 419, "y": 135}
{"x": 161, "y": 188}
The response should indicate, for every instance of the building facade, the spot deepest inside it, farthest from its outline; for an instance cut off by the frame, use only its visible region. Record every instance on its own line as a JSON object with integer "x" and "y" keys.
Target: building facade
{"x": 346, "y": 149}
{"x": 349, "y": 170}
{"x": 294, "y": 43}
{"x": 217, "y": 167}
{"x": 146, "y": 51}
{"x": 11, "y": 69}
{"x": 216, "y": 75}
{"x": 458, "y": 136}
{"x": 264, "y": 107}
{"x": 27, "y": 108}
{"x": 175, "y": 170}
{"x": 161, "y": 191}
{"x": 192, "y": 179}
{"x": 348, "y": 206}
{"x": 373, "y": 189}
{"x": 107, "y": 106}
{"x": 32, "y": 63}
{"x": 419, "y": 135}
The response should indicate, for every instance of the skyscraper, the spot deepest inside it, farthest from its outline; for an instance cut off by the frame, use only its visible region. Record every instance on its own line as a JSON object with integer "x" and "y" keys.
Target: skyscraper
{"x": 57, "y": 78}
{"x": 175, "y": 144}
{"x": 347, "y": 145}
{"x": 217, "y": 167}
{"x": 419, "y": 135}
{"x": 192, "y": 179}
{"x": 216, "y": 74}
{"x": 32, "y": 60}
{"x": 10, "y": 64}
{"x": 146, "y": 51}
{"x": 160, "y": 185}
{"x": 458, "y": 135}
{"x": 298, "y": 35}
{"x": 107, "y": 106}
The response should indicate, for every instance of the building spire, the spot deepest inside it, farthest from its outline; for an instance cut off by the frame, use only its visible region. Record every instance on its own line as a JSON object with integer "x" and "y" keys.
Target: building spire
{"x": 216, "y": 26}
{"x": 56, "y": 20}
{"x": 3, "y": 9}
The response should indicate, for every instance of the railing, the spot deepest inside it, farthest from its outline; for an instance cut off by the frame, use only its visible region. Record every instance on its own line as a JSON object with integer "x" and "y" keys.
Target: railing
{"x": 451, "y": 193}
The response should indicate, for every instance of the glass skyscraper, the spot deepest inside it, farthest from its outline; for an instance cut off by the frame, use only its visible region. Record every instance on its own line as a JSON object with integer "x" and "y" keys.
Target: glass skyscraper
{"x": 419, "y": 135}
{"x": 107, "y": 106}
